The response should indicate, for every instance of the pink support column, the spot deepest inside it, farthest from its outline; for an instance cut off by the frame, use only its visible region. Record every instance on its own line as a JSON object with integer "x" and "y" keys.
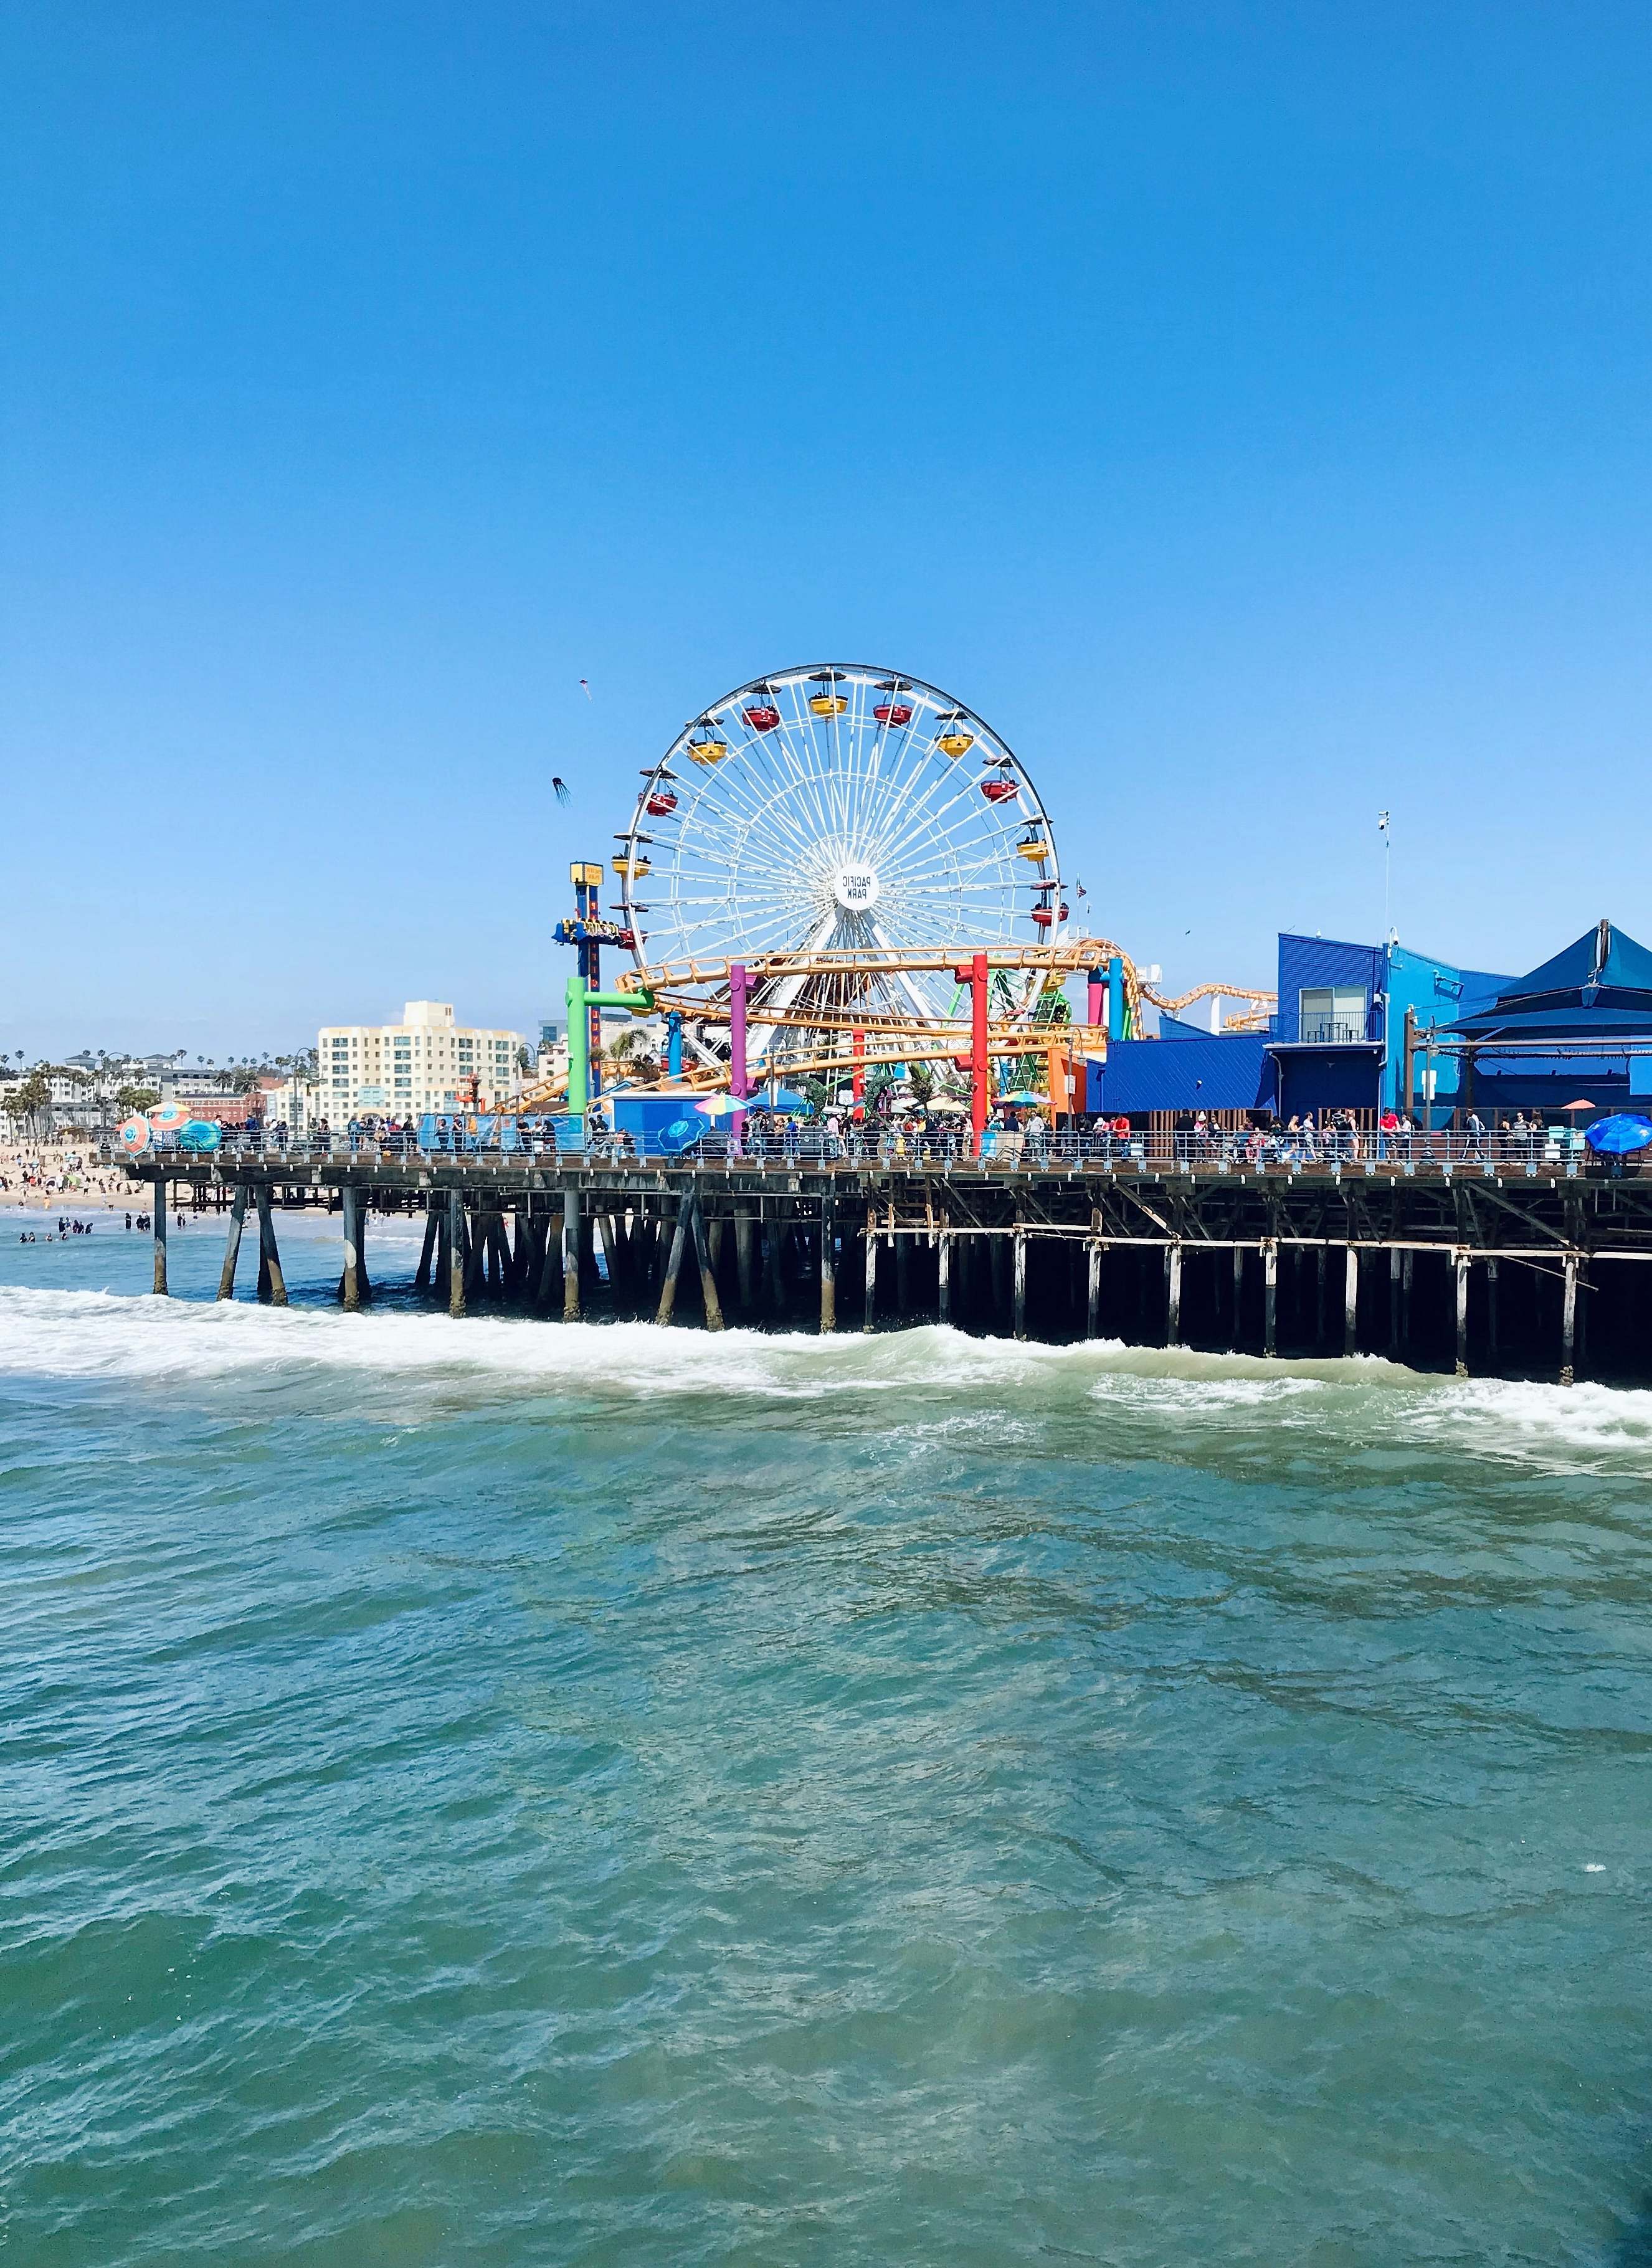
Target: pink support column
{"x": 739, "y": 983}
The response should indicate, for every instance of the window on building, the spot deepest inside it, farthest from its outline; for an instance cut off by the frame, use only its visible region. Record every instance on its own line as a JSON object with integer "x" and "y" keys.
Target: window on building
{"x": 1329, "y": 1013}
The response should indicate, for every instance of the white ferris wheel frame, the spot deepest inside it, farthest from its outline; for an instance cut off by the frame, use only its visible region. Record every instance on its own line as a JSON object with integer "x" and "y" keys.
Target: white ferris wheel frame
{"x": 833, "y": 833}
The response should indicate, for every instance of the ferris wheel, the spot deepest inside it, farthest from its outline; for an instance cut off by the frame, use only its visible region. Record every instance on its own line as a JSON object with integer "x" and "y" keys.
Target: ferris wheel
{"x": 827, "y": 821}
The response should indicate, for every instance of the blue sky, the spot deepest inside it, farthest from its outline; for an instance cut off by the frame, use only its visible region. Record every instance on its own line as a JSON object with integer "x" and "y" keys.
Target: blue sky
{"x": 1246, "y": 408}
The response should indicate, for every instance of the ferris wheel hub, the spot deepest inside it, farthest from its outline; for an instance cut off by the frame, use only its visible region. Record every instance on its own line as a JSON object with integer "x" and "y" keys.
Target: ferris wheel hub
{"x": 855, "y": 888}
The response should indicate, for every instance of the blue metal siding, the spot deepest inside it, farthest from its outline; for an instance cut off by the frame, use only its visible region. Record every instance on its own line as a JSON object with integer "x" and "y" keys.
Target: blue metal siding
{"x": 1306, "y": 962}
{"x": 1232, "y": 1071}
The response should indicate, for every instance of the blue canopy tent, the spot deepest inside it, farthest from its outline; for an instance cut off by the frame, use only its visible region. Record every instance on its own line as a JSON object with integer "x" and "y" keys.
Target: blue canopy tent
{"x": 1580, "y": 1021}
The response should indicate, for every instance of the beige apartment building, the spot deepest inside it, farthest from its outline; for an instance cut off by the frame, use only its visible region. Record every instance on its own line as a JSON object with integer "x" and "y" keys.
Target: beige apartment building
{"x": 424, "y": 1062}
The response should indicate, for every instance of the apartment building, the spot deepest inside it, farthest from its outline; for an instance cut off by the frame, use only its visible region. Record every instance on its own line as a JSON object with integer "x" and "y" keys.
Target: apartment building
{"x": 424, "y": 1062}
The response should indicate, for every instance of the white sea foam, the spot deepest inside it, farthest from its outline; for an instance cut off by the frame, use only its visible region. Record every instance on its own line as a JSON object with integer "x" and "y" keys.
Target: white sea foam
{"x": 1364, "y": 1402}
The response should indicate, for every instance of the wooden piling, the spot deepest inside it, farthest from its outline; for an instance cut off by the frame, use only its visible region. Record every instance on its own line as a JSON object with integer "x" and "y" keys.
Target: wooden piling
{"x": 272, "y": 1285}
{"x": 1093, "y": 1293}
{"x": 1461, "y": 1266}
{"x": 943, "y": 1276}
{"x": 744, "y": 1260}
{"x": 870, "y": 1320}
{"x": 1237, "y": 1331}
{"x": 674, "y": 1263}
{"x": 573, "y": 1229}
{"x": 903, "y": 1276}
{"x": 1569, "y": 1320}
{"x": 1394, "y": 1274}
{"x": 1351, "y": 1301}
{"x": 1173, "y": 1294}
{"x": 1019, "y": 1318}
{"x": 158, "y": 1223}
{"x": 427, "y": 1250}
{"x": 828, "y": 1265}
{"x": 1270, "y": 1294}
{"x": 456, "y": 1256}
{"x": 708, "y": 1274}
{"x": 232, "y": 1243}
{"x": 774, "y": 1242}
{"x": 1491, "y": 1311}
{"x": 349, "y": 1285}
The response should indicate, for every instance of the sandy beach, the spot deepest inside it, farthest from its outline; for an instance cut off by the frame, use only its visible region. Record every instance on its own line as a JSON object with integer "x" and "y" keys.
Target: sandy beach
{"x": 62, "y": 1176}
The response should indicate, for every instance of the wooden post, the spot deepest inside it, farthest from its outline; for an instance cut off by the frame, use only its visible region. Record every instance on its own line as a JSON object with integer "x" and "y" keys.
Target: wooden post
{"x": 157, "y": 1222}
{"x": 232, "y": 1243}
{"x": 828, "y": 1265}
{"x": 571, "y": 1231}
{"x": 1491, "y": 1309}
{"x": 1569, "y": 1320}
{"x": 943, "y": 1276}
{"x": 744, "y": 1259}
{"x": 1093, "y": 1293}
{"x": 870, "y": 1320}
{"x": 1351, "y": 1301}
{"x": 270, "y": 1278}
{"x": 1018, "y": 1320}
{"x": 1462, "y": 1264}
{"x": 455, "y": 1241}
{"x": 1173, "y": 1294}
{"x": 1405, "y": 1298}
{"x": 350, "y": 1290}
{"x": 1238, "y": 1292}
{"x": 427, "y": 1250}
{"x": 902, "y": 1276}
{"x": 1393, "y": 1298}
{"x": 443, "y": 1244}
{"x": 1270, "y": 1294}
{"x": 674, "y": 1263}
{"x": 708, "y": 1274}
{"x": 610, "y": 1253}
{"x": 1319, "y": 1300}
{"x": 777, "y": 1236}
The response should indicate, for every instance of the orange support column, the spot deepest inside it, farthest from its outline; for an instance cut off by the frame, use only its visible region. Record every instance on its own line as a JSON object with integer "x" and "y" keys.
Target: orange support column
{"x": 980, "y": 1077}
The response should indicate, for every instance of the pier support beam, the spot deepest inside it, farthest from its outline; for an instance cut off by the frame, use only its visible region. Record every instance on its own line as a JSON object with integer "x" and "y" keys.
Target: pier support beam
{"x": 1491, "y": 1310}
{"x": 427, "y": 1250}
{"x": 1238, "y": 1296}
{"x": 350, "y": 1290}
{"x": 775, "y": 1240}
{"x": 869, "y": 1320}
{"x": 232, "y": 1243}
{"x": 1270, "y": 1295}
{"x": 158, "y": 1223}
{"x": 1173, "y": 1295}
{"x": 828, "y": 1265}
{"x": 1394, "y": 1277}
{"x": 903, "y": 1276}
{"x": 272, "y": 1285}
{"x": 454, "y": 1241}
{"x": 680, "y": 1233}
{"x": 1569, "y": 1320}
{"x": 1018, "y": 1318}
{"x": 1093, "y": 1294}
{"x": 571, "y": 1233}
{"x": 708, "y": 1274}
{"x": 1460, "y": 1260}
{"x": 1351, "y": 1301}
{"x": 943, "y": 1276}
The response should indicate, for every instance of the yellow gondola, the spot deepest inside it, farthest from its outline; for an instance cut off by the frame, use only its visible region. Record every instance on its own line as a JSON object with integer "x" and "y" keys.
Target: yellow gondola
{"x": 828, "y": 704}
{"x": 710, "y": 750}
{"x": 955, "y": 742}
{"x": 635, "y": 868}
{"x": 1033, "y": 846}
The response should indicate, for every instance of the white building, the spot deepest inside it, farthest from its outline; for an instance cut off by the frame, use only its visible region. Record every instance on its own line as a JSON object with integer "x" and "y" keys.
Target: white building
{"x": 425, "y": 1062}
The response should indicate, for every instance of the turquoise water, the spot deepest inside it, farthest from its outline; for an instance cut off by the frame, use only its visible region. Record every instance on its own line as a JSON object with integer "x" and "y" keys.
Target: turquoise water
{"x": 502, "y": 1792}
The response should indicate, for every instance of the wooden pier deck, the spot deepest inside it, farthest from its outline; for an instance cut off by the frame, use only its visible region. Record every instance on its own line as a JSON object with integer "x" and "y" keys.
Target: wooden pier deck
{"x": 1484, "y": 1268}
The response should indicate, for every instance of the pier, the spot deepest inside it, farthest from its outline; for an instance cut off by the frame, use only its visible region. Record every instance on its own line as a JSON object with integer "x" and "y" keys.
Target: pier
{"x": 1467, "y": 1266}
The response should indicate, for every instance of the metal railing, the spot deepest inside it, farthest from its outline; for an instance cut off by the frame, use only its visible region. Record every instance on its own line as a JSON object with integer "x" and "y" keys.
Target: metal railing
{"x": 1331, "y": 1151}
{"x": 1332, "y": 1031}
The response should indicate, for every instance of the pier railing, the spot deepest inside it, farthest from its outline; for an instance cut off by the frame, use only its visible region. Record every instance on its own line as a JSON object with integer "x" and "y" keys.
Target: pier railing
{"x": 1544, "y": 1152}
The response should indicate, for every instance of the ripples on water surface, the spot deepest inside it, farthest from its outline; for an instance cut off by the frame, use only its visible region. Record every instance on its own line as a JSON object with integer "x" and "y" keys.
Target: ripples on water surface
{"x": 502, "y": 1792}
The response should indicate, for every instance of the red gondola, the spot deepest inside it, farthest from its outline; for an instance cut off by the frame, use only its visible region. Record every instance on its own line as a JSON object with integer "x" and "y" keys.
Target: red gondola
{"x": 893, "y": 713}
{"x": 1044, "y": 915}
{"x": 761, "y": 717}
{"x": 997, "y": 790}
{"x": 660, "y": 803}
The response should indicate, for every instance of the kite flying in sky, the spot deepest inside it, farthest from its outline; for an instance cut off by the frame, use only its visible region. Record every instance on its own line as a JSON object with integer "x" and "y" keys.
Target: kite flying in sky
{"x": 561, "y": 786}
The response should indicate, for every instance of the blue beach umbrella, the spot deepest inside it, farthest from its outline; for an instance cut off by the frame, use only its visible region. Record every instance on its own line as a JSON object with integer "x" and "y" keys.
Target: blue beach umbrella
{"x": 1618, "y": 1135}
{"x": 199, "y": 1134}
{"x": 680, "y": 1135}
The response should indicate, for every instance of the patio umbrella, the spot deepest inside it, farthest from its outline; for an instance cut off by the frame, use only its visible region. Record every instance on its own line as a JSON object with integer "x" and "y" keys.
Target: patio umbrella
{"x": 947, "y": 1106}
{"x": 133, "y": 1135}
{"x": 1618, "y": 1135}
{"x": 200, "y": 1134}
{"x": 723, "y": 1106}
{"x": 1023, "y": 1098}
{"x": 167, "y": 1117}
{"x": 1583, "y": 1103}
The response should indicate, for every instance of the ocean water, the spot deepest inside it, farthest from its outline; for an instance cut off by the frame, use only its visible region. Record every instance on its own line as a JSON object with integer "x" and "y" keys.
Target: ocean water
{"x": 504, "y": 1793}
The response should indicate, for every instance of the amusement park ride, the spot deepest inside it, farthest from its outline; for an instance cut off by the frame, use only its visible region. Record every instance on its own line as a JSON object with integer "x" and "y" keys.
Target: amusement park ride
{"x": 836, "y": 869}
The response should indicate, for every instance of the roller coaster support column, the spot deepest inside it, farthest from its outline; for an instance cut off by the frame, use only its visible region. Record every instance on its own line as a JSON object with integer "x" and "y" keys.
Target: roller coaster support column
{"x": 1117, "y": 1000}
{"x": 583, "y": 1011}
{"x": 738, "y": 987}
{"x": 980, "y": 1076}
{"x": 674, "y": 1045}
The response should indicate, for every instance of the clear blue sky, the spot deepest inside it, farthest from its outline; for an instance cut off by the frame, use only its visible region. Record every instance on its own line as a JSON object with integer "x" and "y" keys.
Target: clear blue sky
{"x": 1247, "y": 409}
